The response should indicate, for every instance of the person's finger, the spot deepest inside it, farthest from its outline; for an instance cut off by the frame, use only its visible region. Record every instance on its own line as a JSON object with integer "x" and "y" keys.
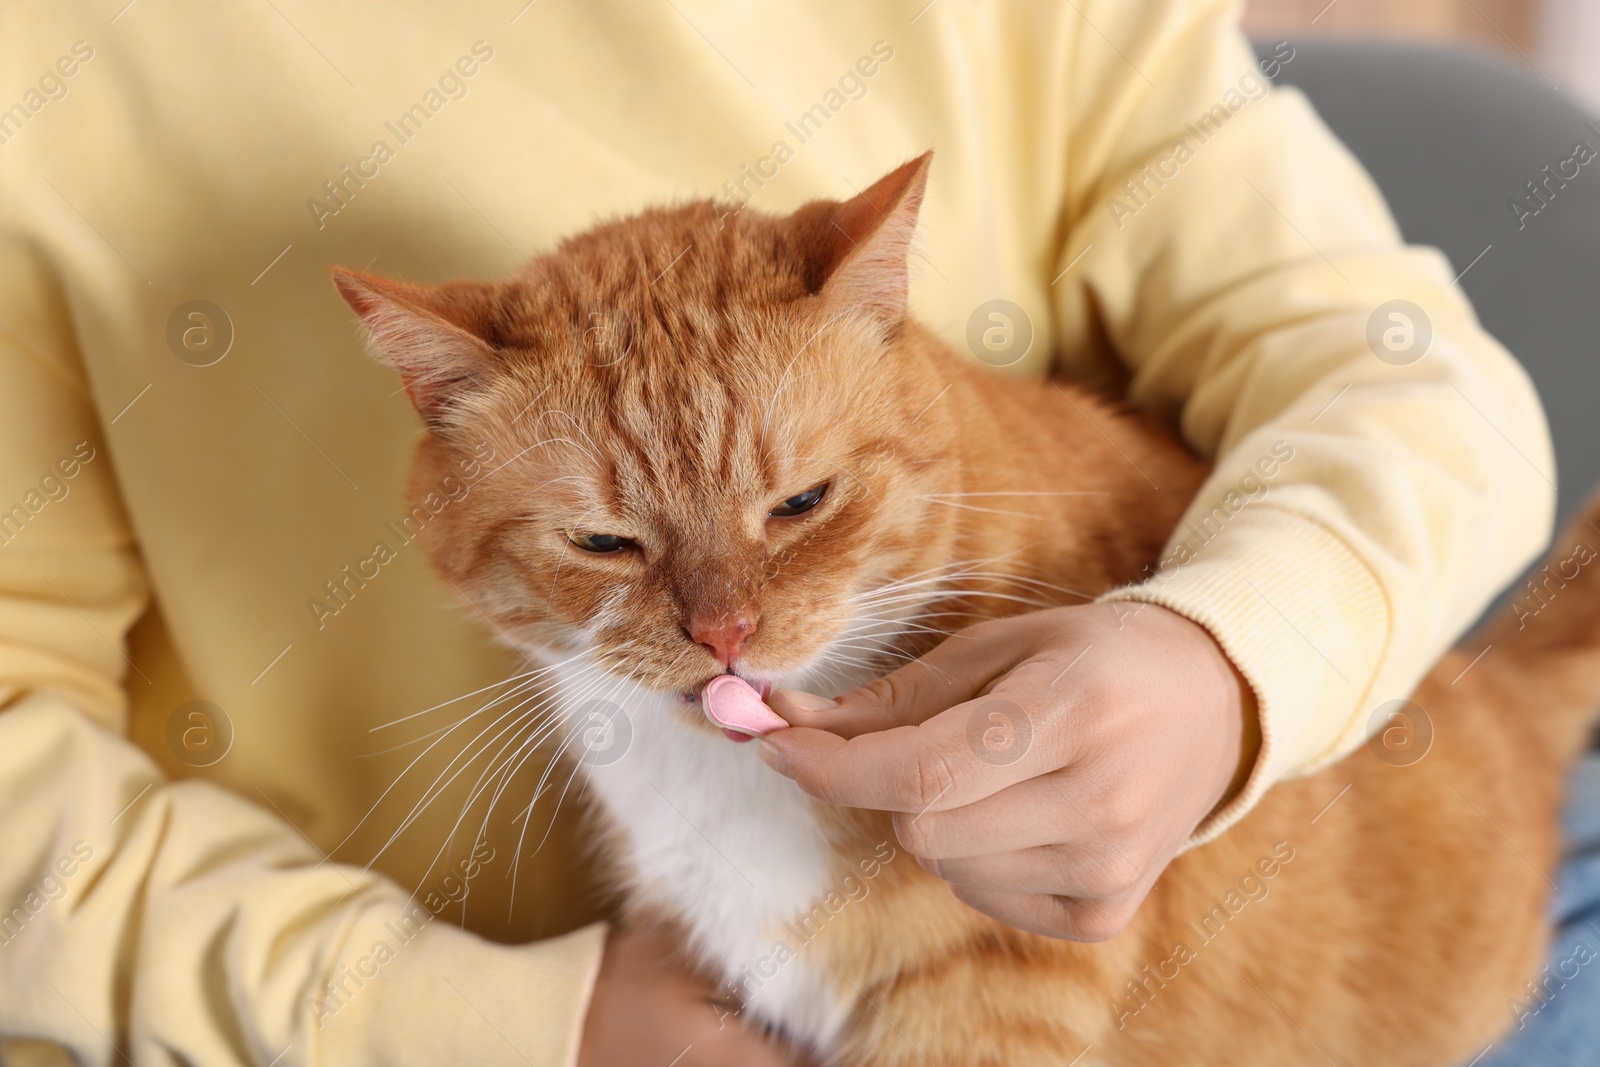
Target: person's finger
{"x": 1059, "y": 917}
{"x": 1040, "y": 811}
{"x": 959, "y": 756}
{"x": 1075, "y": 872}
{"x": 953, "y": 672}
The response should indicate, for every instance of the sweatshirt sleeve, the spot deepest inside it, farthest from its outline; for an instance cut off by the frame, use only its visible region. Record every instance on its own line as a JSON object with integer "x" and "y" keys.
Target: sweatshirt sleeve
{"x": 150, "y": 920}
{"x": 1382, "y": 464}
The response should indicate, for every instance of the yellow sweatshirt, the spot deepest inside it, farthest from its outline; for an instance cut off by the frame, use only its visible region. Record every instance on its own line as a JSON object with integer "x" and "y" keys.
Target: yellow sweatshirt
{"x": 210, "y": 602}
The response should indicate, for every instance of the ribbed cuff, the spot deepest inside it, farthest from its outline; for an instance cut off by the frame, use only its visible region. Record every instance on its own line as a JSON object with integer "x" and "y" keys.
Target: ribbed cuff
{"x": 1303, "y": 618}
{"x": 446, "y": 996}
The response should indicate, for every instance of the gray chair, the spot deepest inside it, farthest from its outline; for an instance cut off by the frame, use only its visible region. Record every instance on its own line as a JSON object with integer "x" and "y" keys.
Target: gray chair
{"x": 1451, "y": 135}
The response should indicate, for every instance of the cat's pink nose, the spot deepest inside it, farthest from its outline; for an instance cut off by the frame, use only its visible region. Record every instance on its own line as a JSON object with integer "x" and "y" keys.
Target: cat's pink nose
{"x": 724, "y": 636}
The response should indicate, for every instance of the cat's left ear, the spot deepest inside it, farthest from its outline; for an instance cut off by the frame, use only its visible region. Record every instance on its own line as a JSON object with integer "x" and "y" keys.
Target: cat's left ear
{"x": 860, "y": 246}
{"x": 427, "y": 334}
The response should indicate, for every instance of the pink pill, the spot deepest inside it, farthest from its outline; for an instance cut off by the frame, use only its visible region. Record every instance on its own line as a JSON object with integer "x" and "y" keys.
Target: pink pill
{"x": 732, "y": 704}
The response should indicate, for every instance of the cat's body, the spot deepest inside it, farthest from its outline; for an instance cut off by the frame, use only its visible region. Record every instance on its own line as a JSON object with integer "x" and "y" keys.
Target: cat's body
{"x": 1371, "y": 913}
{"x": 739, "y": 858}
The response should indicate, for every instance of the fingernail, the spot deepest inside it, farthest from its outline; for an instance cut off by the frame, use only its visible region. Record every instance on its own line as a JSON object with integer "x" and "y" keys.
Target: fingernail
{"x": 804, "y": 701}
{"x": 773, "y": 758}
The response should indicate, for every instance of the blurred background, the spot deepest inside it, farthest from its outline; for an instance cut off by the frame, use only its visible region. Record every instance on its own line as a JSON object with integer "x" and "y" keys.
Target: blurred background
{"x": 1558, "y": 39}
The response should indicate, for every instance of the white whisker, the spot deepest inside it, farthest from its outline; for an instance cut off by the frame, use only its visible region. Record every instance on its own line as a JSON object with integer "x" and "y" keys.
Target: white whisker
{"x": 1023, "y": 492}
{"x": 973, "y": 507}
{"x": 515, "y": 691}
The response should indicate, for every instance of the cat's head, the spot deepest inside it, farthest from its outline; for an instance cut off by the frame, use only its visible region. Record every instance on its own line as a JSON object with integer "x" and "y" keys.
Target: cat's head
{"x": 711, "y": 435}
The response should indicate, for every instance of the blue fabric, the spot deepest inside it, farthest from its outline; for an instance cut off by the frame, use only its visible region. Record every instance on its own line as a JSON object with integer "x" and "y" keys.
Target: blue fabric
{"x": 1561, "y": 1026}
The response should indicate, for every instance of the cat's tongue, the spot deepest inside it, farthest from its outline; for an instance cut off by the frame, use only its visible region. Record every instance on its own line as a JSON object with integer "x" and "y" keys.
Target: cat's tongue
{"x": 732, "y": 704}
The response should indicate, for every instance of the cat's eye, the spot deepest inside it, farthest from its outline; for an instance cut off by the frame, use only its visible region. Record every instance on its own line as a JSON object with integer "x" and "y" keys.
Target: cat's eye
{"x": 800, "y": 502}
{"x": 598, "y": 542}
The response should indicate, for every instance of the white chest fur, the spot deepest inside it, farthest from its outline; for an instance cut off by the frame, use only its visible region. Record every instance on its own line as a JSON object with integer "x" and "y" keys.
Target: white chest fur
{"x": 728, "y": 848}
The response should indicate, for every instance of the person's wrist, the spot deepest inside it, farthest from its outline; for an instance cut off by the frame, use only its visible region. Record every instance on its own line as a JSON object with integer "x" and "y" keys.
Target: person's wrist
{"x": 1237, "y": 722}
{"x": 1249, "y": 741}
{"x": 1241, "y": 708}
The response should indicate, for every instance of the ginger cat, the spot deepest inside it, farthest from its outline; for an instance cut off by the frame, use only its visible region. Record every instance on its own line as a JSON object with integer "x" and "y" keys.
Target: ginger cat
{"x": 749, "y": 447}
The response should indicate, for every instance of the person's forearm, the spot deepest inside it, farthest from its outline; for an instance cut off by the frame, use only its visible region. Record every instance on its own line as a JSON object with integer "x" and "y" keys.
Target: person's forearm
{"x": 1360, "y": 517}
{"x": 1378, "y": 479}
{"x": 175, "y": 919}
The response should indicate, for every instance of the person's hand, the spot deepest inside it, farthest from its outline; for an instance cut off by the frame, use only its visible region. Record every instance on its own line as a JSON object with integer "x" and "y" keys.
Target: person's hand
{"x": 648, "y": 1008}
{"x": 1047, "y": 765}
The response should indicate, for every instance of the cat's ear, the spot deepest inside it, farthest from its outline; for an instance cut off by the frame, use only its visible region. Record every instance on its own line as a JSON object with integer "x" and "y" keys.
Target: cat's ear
{"x": 426, "y": 334}
{"x": 862, "y": 244}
